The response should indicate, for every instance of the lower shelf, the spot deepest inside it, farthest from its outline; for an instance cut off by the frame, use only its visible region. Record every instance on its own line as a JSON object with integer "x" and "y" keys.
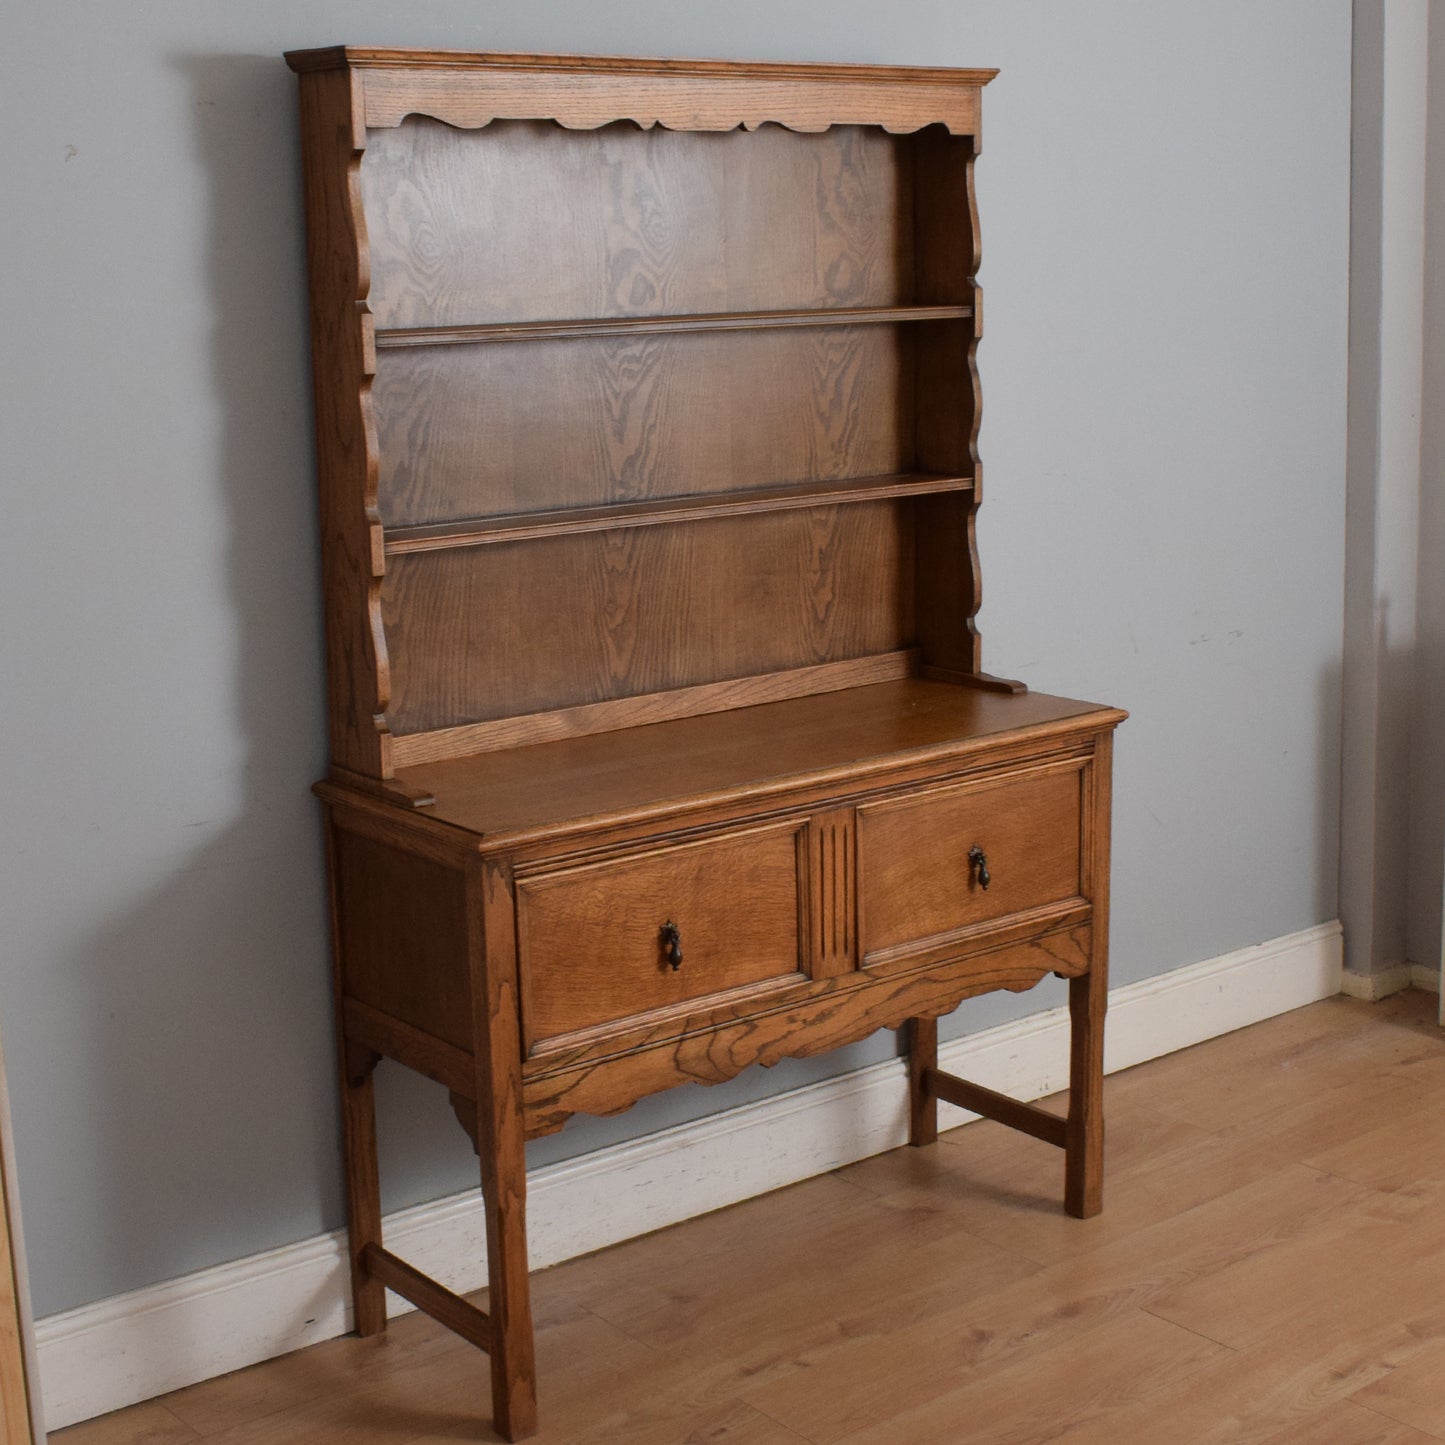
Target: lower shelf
{"x": 651, "y": 512}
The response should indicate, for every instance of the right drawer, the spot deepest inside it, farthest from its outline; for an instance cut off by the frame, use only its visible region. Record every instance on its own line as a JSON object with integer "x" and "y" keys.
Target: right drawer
{"x": 923, "y": 858}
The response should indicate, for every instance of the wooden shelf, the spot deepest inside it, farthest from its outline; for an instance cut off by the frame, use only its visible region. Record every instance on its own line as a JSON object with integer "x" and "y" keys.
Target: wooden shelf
{"x": 650, "y": 325}
{"x": 520, "y": 526}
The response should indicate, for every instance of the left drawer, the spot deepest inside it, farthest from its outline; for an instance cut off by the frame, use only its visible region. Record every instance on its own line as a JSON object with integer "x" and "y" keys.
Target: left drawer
{"x": 595, "y": 940}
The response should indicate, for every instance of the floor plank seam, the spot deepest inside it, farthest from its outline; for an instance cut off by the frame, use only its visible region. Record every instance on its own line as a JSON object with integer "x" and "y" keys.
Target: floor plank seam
{"x": 659, "y": 1351}
{"x": 782, "y": 1424}
{"x": 191, "y": 1431}
{"x": 1394, "y": 1419}
{"x": 1190, "y": 1330}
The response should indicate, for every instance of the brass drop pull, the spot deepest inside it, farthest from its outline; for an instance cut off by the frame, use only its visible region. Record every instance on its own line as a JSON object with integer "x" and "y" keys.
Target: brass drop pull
{"x": 672, "y": 941}
{"x": 979, "y": 859}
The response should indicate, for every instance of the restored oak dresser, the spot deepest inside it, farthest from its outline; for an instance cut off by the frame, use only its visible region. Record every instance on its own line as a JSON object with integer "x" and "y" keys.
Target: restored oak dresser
{"x": 646, "y": 411}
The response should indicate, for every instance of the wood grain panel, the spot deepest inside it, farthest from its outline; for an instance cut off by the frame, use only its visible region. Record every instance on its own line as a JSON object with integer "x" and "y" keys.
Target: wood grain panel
{"x": 402, "y": 932}
{"x": 622, "y": 613}
{"x": 468, "y": 227}
{"x": 946, "y": 400}
{"x": 946, "y": 250}
{"x": 528, "y": 729}
{"x": 590, "y": 943}
{"x": 491, "y": 430}
{"x": 949, "y": 584}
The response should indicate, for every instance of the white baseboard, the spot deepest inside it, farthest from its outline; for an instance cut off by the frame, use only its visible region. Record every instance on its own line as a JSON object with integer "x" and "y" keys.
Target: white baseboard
{"x": 1372, "y": 987}
{"x": 134, "y": 1346}
{"x": 1423, "y": 976}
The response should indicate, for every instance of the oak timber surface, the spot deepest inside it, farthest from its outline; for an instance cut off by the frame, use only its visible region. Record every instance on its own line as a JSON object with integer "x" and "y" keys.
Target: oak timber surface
{"x": 676, "y": 222}
{"x": 637, "y": 612}
{"x": 774, "y": 745}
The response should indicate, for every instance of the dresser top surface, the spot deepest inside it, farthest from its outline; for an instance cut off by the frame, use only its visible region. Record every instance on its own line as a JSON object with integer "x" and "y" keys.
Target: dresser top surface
{"x": 724, "y": 756}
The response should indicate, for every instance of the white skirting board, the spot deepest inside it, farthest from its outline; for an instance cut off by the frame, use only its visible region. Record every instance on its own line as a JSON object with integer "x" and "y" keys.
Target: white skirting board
{"x": 129, "y": 1348}
{"x": 1372, "y": 987}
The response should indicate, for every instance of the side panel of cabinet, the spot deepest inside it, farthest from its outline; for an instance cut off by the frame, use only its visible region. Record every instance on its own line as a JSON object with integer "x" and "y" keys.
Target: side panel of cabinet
{"x": 343, "y": 362}
{"x": 401, "y": 923}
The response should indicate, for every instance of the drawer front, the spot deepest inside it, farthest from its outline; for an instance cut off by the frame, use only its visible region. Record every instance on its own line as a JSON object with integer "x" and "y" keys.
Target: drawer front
{"x": 592, "y": 943}
{"x": 918, "y": 880}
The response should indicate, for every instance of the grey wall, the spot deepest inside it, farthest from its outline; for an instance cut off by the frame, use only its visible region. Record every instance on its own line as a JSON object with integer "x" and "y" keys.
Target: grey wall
{"x": 1164, "y": 192}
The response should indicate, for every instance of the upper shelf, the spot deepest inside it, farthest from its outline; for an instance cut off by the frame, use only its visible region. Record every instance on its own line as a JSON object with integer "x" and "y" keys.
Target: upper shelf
{"x": 645, "y": 325}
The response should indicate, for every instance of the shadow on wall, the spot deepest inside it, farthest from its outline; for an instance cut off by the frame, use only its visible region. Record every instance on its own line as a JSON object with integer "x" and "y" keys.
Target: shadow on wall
{"x": 209, "y": 1094}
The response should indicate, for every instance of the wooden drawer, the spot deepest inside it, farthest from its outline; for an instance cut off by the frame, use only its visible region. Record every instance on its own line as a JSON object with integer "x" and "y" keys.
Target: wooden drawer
{"x": 919, "y": 886}
{"x": 590, "y": 938}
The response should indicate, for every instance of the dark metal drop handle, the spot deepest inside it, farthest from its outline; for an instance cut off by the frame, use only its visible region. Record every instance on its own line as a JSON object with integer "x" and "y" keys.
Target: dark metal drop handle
{"x": 671, "y": 936}
{"x": 979, "y": 859}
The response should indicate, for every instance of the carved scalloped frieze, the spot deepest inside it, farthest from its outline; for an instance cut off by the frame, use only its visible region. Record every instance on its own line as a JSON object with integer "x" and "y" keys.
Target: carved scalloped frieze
{"x": 470, "y": 99}
{"x": 842, "y": 1016}
{"x": 970, "y": 619}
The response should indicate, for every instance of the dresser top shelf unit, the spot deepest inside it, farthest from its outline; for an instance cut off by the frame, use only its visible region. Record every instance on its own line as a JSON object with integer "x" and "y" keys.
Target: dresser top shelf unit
{"x": 644, "y": 389}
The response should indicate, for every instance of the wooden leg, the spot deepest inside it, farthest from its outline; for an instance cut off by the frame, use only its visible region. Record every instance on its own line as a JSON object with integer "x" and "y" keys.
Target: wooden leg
{"x": 501, "y": 1148}
{"x": 358, "y": 1135}
{"x": 1088, "y": 998}
{"x": 363, "y": 1196}
{"x": 1084, "y": 1147}
{"x": 509, "y": 1302}
{"x": 921, "y": 1040}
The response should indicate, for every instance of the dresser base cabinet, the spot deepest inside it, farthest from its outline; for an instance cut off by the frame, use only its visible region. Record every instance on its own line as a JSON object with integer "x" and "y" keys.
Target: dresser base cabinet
{"x": 646, "y": 408}
{"x": 581, "y": 963}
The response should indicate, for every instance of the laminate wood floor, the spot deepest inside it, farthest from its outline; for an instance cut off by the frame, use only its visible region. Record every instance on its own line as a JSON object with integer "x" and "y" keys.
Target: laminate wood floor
{"x": 1269, "y": 1267}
